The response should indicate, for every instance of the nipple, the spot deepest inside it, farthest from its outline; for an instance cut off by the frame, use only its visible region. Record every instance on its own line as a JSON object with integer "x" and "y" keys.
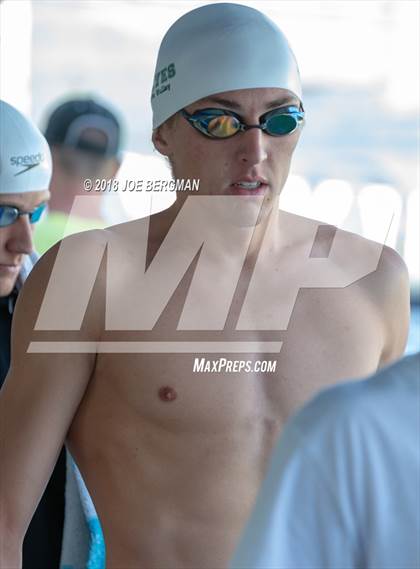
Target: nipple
{"x": 167, "y": 393}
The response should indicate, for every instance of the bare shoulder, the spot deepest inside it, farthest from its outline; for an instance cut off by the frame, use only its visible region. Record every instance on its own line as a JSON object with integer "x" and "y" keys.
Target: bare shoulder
{"x": 72, "y": 270}
{"x": 379, "y": 268}
{"x": 78, "y": 250}
{"x": 67, "y": 288}
{"x": 391, "y": 264}
{"x": 78, "y": 246}
{"x": 369, "y": 270}
{"x": 390, "y": 268}
{"x": 129, "y": 230}
{"x": 345, "y": 247}
{"x": 386, "y": 286}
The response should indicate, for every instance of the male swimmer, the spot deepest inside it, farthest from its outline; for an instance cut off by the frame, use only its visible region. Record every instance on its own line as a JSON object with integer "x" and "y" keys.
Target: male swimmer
{"x": 25, "y": 174}
{"x": 174, "y": 459}
{"x": 24, "y": 179}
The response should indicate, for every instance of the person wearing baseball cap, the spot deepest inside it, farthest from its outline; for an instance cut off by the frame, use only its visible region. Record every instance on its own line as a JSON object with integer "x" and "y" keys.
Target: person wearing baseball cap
{"x": 183, "y": 340}
{"x": 85, "y": 139}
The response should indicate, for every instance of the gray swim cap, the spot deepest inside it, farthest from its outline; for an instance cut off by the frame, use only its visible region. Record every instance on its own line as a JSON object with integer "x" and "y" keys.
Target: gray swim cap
{"x": 217, "y": 48}
{"x": 25, "y": 158}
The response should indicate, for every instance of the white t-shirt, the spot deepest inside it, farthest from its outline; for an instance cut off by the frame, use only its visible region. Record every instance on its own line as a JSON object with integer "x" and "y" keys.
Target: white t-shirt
{"x": 343, "y": 487}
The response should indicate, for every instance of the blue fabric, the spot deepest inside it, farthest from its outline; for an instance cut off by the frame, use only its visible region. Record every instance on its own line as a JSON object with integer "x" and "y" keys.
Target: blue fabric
{"x": 97, "y": 546}
{"x": 73, "y": 544}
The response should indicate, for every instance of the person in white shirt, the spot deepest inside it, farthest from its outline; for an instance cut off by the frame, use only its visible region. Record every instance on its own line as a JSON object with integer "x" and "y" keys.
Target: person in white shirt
{"x": 343, "y": 487}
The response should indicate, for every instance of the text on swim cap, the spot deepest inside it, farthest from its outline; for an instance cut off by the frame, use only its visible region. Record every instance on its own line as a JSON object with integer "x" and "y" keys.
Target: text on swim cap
{"x": 161, "y": 77}
{"x": 27, "y": 159}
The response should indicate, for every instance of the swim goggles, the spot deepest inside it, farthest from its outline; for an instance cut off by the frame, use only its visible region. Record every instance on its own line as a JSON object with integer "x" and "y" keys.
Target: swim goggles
{"x": 9, "y": 214}
{"x": 221, "y": 123}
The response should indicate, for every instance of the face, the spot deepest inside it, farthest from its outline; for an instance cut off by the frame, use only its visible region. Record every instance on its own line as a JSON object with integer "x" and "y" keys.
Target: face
{"x": 248, "y": 156}
{"x": 16, "y": 239}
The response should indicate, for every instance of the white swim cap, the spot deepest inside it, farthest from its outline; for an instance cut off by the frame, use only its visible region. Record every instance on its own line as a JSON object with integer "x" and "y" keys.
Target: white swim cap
{"x": 217, "y": 48}
{"x": 25, "y": 158}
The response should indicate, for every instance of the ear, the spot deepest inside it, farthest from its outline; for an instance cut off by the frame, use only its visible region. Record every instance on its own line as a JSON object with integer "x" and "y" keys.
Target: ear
{"x": 161, "y": 140}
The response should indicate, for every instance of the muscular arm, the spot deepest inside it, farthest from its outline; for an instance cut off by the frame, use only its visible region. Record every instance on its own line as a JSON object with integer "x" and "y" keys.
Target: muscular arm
{"x": 37, "y": 404}
{"x": 393, "y": 289}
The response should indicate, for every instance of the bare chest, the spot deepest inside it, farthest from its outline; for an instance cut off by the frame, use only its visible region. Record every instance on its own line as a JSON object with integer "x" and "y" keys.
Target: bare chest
{"x": 213, "y": 380}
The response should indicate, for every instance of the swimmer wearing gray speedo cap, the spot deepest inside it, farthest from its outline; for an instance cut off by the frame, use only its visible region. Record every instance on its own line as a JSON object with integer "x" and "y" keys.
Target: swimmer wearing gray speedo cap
{"x": 25, "y": 158}
{"x": 218, "y": 48}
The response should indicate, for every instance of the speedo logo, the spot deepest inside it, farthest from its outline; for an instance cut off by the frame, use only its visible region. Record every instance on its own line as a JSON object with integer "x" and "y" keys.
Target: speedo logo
{"x": 161, "y": 80}
{"x": 28, "y": 160}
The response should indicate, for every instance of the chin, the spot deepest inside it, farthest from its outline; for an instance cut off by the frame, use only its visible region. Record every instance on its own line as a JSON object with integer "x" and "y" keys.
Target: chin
{"x": 5, "y": 289}
{"x": 243, "y": 212}
{"x": 6, "y": 286}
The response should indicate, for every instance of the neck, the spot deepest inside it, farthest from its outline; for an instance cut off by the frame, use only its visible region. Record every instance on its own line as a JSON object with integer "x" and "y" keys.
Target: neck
{"x": 223, "y": 239}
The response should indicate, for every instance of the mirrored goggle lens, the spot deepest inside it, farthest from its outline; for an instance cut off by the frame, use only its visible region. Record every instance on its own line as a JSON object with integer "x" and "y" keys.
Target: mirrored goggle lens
{"x": 8, "y": 215}
{"x": 280, "y": 124}
{"x": 223, "y": 126}
{"x": 37, "y": 213}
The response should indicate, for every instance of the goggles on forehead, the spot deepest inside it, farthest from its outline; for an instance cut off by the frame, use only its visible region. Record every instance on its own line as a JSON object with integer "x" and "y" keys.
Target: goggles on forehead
{"x": 221, "y": 123}
{"x": 9, "y": 214}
